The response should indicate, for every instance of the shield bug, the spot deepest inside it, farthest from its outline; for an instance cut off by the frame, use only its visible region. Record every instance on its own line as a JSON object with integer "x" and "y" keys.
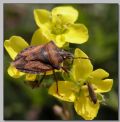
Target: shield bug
{"x": 40, "y": 59}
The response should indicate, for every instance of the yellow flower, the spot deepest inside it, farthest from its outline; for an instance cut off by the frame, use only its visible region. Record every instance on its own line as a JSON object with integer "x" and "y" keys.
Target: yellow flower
{"x": 77, "y": 90}
{"x": 13, "y": 46}
{"x": 59, "y": 25}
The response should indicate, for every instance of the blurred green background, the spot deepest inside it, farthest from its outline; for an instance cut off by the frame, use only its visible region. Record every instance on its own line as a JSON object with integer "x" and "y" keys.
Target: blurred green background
{"x": 23, "y": 103}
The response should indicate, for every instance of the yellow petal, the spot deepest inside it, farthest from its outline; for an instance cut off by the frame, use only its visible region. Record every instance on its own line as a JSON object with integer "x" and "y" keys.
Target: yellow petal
{"x": 65, "y": 14}
{"x": 86, "y": 108}
{"x": 13, "y": 72}
{"x": 51, "y": 72}
{"x": 41, "y": 16}
{"x": 30, "y": 77}
{"x": 97, "y": 75}
{"x": 81, "y": 67}
{"x": 14, "y": 45}
{"x": 77, "y": 33}
{"x": 66, "y": 90}
{"x": 60, "y": 40}
{"x": 39, "y": 38}
{"x": 103, "y": 85}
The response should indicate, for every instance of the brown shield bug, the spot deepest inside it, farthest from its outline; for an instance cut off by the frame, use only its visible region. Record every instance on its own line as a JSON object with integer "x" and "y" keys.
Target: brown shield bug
{"x": 40, "y": 59}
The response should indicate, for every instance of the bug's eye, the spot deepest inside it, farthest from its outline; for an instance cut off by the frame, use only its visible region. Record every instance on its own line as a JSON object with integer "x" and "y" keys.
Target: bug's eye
{"x": 64, "y": 57}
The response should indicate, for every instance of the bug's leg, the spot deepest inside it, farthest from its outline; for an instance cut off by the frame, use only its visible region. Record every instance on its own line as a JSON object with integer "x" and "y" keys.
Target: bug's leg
{"x": 31, "y": 83}
{"x": 40, "y": 81}
{"x": 36, "y": 83}
{"x": 65, "y": 69}
{"x": 57, "y": 90}
{"x": 55, "y": 81}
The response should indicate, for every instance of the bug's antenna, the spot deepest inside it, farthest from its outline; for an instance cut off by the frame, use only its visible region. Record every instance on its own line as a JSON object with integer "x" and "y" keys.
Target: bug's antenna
{"x": 82, "y": 58}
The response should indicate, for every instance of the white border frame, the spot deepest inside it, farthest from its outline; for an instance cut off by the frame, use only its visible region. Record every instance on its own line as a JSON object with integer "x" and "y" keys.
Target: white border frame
{"x": 46, "y": 1}
{"x": 60, "y": 1}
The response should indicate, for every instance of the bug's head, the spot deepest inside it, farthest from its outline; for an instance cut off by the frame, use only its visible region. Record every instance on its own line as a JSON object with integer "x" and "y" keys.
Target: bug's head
{"x": 65, "y": 54}
{"x": 68, "y": 55}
